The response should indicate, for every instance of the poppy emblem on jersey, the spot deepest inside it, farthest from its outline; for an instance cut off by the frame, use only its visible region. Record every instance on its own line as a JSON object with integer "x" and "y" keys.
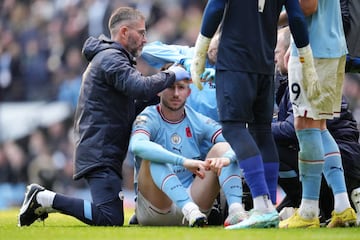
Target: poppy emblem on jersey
{"x": 188, "y": 132}
{"x": 175, "y": 139}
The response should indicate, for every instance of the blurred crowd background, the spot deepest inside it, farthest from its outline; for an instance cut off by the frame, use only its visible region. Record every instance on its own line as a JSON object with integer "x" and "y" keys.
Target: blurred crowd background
{"x": 40, "y": 76}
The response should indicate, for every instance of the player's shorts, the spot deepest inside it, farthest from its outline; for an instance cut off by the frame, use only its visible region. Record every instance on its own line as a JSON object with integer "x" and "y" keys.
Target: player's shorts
{"x": 331, "y": 73}
{"x": 245, "y": 97}
{"x": 149, "y": 215}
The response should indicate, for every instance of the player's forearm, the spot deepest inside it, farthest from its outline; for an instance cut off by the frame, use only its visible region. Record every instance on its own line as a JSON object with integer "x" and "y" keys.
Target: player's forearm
{"x": 154, "y": 152}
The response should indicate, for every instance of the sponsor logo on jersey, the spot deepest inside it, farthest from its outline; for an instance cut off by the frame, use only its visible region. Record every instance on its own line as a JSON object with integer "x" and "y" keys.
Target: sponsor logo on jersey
{"x": 140, "y": 120}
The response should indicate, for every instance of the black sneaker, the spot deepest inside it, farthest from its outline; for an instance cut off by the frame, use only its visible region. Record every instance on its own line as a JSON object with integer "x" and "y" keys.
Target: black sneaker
{"x": 31, "y": 210}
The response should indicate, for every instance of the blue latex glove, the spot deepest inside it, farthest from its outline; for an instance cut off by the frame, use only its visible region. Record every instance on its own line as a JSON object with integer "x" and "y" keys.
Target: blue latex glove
{"x": 180, "y": 73}
{"x": 186, "y": 62}
{"x": 208, "y": 75}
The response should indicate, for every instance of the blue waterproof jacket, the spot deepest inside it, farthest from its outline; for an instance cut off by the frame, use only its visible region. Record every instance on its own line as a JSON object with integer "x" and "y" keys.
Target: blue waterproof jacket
{"x": 106, "y": 106}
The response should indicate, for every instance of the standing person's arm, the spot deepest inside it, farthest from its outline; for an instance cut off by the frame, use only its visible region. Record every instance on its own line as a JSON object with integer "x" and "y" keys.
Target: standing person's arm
{"x": 299, "y": 31}
{"x": 212, "y": 17}
{"x": 307, "y": 7}
{"x": 297, "y": 23}
{"x": 211, "y": 20}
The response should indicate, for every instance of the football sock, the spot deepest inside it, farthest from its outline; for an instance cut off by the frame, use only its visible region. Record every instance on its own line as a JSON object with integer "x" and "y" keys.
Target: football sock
{"x": 106, "y": 214}
{"x": 309, "y": 209}
{"x": 45, "y": 198}
{"x": 265, "y": 142}
{"x": 341, "y": 202}
{"x": 311, "y": 161}
{"x": 169, "y": 183}
{"x": 231, "y": 183}
{"x": 263, "y": 204}
{"x": 254, "y": 175}
{"x": 235, "y": 208}
{"x": 81, "y": 209}
{"x": 334, "y": 172}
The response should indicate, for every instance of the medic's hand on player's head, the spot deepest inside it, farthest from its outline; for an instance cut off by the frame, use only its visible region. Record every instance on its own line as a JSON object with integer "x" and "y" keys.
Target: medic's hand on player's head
{"x": 206, "y": 76}
{"x": 180, "y": 73}
{"x": 198, "y": 64}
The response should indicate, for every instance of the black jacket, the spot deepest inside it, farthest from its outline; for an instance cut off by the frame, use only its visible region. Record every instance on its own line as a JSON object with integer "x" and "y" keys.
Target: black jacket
{"x": 343, "y": 129}
{"x": 106, "y": 106}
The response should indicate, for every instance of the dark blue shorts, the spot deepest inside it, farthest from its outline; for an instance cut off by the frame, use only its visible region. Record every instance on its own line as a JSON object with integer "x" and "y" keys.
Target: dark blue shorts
{"x": 245, "y": 97}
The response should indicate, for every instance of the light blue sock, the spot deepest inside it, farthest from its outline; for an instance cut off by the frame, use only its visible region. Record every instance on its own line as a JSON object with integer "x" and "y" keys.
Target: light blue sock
{"x": 311, "y": 161}
{"x": 333, "y": 169}
{"x": 231, "y": 183}
{"x": 166, "y": 180}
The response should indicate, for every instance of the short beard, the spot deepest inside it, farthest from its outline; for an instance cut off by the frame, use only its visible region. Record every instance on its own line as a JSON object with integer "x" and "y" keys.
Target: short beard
{"x": 172, "y": 108}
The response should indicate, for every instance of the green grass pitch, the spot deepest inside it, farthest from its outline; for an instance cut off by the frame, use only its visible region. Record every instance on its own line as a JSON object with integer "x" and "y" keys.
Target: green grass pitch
{"x": 59, "y": 226}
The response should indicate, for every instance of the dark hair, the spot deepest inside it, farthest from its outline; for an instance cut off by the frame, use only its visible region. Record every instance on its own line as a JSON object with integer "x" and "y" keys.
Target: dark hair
{"x": 122, "y": 15}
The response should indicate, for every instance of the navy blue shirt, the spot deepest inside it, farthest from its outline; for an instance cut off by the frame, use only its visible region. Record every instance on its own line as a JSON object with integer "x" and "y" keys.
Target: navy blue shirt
{"x": 249, "y": 32}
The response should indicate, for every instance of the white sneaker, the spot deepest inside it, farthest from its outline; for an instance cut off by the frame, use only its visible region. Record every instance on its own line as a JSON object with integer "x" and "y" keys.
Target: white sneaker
{"x": 197, "y": 219}
{"x": 258, "y": 219}
{"x": 236, "y": 217}
{"x": 193, "y": 215}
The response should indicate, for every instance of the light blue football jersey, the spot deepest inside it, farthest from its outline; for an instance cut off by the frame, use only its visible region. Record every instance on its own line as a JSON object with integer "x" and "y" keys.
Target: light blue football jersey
{"x": 326, "y": 33}
{"x": 182, "y": 138}
{"x": 156, "y": 54}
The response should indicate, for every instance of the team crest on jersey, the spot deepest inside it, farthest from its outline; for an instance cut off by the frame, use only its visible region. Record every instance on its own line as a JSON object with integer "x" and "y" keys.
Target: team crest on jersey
{"x": 140, "y": 120}
{"x": 175, "y": 139}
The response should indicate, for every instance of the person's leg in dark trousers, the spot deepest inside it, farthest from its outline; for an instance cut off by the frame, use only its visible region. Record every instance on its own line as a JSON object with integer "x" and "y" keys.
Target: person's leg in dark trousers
{"x": 106, "y": 209}
{"x": 289, "y": 176}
